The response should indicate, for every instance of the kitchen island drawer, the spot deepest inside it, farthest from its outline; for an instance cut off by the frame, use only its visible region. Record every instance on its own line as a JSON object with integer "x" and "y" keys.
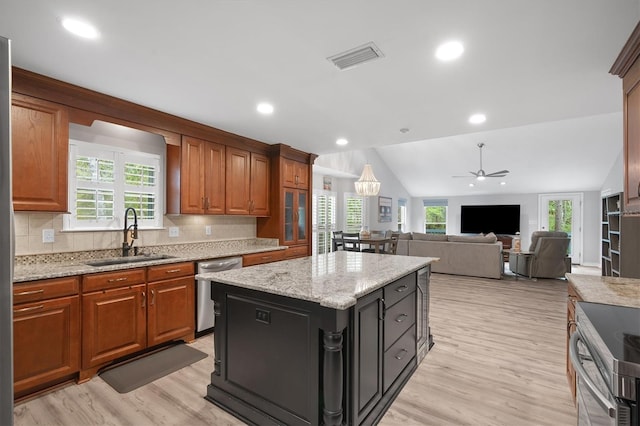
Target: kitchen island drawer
{"x": 173, "y": 270}
{"x": 398, "y": 319}
{"x": 107, "y": 280}
{"x": 45, "y": 289}
{"x": 399, "y": 289}
{"x": 398, "y": 356}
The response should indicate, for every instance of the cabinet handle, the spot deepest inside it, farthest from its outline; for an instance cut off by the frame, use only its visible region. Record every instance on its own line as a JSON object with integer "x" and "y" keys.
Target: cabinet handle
{"x": 26, "y": 293}
{"x": 381, "y": 309}
{"x": 153, "y": 297}
{"x": 402, "y": 317}
{"x": 115, "y": 280}
{"x": 204, "y": 206}
{"x": 266, "y": 257}
{"x": 206, "y": 203}
{"x": 30, "y": 308}
{"x": 297, "y": 180}
{"x": 173, "y": 271}
{"x": 401, "y": 288}
{"x": 144, "y": 299}
{"x": 401, "y": 354}
{"x": 570, "y": 325}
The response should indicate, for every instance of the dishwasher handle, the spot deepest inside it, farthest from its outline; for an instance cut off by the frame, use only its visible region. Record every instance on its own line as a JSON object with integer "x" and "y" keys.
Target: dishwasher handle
{"x": 584, "y": 376}
{"x": 220, "y": 265}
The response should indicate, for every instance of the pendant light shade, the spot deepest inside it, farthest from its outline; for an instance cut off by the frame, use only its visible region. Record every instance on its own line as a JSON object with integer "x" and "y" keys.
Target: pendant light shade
{"x": 367, "y": 185}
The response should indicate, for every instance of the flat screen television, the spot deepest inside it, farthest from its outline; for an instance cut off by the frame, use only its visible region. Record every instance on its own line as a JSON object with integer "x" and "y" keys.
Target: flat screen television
{"x": 499, "y": 219}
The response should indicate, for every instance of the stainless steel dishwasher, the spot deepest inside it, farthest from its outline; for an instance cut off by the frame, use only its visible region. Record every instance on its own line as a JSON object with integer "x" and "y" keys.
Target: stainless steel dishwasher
{"x": 205, "y": 319}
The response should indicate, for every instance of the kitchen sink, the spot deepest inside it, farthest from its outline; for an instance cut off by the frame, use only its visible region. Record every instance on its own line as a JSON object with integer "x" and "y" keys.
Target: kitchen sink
{"x": 131, "y": 259}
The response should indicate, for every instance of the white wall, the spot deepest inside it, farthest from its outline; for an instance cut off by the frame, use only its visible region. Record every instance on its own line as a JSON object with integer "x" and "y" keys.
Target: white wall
{"x": 615, "y": 179}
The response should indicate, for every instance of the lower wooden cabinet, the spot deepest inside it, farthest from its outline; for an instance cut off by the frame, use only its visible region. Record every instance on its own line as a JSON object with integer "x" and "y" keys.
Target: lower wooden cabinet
{"x": 171, "y": 312}
{"x": 113, "y": 324}
{"x": 46, "y": 334}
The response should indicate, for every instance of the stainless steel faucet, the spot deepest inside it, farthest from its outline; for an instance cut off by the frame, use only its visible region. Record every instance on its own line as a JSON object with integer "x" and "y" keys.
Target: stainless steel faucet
{"x": 133, "y": 229}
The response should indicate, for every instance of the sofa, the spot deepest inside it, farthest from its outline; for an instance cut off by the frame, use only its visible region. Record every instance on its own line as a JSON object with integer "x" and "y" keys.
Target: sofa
{"x": 470, "y": 255}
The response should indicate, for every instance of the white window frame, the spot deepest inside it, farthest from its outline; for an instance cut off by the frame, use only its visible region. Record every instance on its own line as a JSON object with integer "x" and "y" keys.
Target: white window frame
{"x": 402, "y": 214}
{"x": 323, "y": 227}
{"x": 120, "y": 156}
{"x": 347, "y": 197}
{"x": 436, "y": 203}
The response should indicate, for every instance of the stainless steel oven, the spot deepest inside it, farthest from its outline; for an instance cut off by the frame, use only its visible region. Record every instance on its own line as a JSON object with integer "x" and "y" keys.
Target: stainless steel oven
{"x": 605, "y": 353}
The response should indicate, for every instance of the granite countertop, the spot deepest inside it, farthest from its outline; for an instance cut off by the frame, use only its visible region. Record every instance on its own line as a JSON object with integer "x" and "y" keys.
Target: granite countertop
{"x": 335, "y": 280}
{"x": 70, "y": 265}
{"x": 607, "y": 290}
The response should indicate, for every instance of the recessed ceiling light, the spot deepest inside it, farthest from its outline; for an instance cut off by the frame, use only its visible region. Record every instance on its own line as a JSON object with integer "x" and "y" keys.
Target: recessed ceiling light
{"x": 265, "y": 108}
{"x": 342, "y": 141}
{"x": 471, "y": 185}
{"x": 503, "y": 183}
{"x": 449, "y": 51}
{"x": 477, "y": 119}
{"x": 80, "y": 28}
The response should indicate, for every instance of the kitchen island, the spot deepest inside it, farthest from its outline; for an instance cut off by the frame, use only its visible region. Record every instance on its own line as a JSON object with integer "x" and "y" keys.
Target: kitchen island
{"x": 328, "y": 339}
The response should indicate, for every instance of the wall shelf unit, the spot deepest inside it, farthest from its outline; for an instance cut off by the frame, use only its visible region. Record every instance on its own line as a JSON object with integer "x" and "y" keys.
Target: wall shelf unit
{"x": 620, "y": 239}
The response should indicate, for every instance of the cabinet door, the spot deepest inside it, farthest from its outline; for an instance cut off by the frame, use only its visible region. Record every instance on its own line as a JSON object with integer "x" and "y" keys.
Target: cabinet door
{"x": 113, "y": 324}
{"x": 295, "y": 174}
{"x": 40, "y": 151}
{"x": 259, "y": 194}
{"x": 368, "y": 351}
{"x": 192, "y": 176}
{"x": 238, "y": 181}
{"x": 302, "y": 206}
{"x": 46, "y": 342}
{"x": 214, "y": 178}
{"x": 632, "y": 139}
{"x": 171, "y": 312}
{"x": 289, "y": 210}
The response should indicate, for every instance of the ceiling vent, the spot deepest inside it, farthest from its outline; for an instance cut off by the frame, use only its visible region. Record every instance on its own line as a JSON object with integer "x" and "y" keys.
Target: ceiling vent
{"x": 359, "y": 55}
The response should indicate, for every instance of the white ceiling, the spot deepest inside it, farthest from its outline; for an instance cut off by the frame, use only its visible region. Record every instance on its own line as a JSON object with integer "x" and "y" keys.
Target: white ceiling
{"x": 537, "y": 69}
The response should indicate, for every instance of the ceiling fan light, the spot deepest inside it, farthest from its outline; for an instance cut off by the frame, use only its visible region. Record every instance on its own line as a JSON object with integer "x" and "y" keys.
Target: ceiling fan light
{"x": 367, "y": 185}
{"x": 480, "y": 177}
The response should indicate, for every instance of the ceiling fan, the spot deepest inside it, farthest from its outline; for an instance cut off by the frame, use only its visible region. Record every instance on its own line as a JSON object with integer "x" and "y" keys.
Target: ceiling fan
{"x": 480, "y": 174}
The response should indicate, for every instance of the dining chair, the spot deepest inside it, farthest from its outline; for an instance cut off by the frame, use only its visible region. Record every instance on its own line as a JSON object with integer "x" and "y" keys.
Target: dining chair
{"x": 351, "y": 241}
{"x": 337, "y": 241}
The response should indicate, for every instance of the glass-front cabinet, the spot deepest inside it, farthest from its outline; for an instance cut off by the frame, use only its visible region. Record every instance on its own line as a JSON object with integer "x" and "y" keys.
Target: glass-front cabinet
{"x": 296, "y": 203}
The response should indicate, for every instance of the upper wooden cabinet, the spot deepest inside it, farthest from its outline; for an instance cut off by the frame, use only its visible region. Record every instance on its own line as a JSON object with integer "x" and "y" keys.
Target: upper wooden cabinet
{"x": 627, "y": 67}
{"x": 295, "y": 174}
{"x": 247, "y": 183}
{"x": 40, "y": 151}
{"x": 202, "y": 173}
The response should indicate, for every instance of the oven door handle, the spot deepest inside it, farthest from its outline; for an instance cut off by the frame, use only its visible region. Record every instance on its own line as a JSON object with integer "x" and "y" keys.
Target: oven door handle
{"x": 580, "y": 371}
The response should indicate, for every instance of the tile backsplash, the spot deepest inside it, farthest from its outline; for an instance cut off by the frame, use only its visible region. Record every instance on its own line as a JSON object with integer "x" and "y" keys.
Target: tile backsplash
{"x": 29, "y": 227}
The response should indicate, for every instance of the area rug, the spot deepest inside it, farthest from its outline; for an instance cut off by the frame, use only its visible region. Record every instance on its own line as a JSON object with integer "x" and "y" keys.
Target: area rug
{"x": 131, "y": 375}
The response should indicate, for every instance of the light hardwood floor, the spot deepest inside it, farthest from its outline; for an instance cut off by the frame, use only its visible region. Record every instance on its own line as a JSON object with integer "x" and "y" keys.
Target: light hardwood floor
{"x": 498, "y": 360}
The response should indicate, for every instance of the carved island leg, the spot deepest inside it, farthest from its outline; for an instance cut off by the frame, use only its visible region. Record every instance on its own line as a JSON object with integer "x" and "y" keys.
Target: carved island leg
{"x": 332, "y": 378}
{"x": 216, "y": 342}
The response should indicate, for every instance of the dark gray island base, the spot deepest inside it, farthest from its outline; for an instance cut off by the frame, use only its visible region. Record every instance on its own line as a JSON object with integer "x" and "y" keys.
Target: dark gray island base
{"x": 285, "y": 360}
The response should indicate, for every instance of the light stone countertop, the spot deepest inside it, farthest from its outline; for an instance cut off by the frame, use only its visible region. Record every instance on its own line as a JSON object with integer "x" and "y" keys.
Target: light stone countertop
{"x": 71, "y": 266}
{"x": 335, "y": 280}
{"x": 607, "y": 290}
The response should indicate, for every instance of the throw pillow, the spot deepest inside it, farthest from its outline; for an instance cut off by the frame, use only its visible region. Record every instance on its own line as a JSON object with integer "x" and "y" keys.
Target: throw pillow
{"x": 486, "y": 239}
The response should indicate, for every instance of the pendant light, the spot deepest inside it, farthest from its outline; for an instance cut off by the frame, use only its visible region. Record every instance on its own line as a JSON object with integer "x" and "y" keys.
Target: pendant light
{"x": 367, "y": 185}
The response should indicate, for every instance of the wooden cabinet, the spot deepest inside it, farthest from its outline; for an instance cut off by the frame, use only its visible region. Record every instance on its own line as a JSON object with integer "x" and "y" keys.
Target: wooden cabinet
{"x": 46, "y": 334}
{"x": 295, "y": 174}
{"x": 247, "y": 176}
{"x": 40, "y": 151}
{"x": 202, "y": 177}
{"x": 627, "y": 67}
{"x": 290, "y": 204}
{"x": 262, "y": 257}
{"x": 572, "y": 299}
{"x": 122, "y": 314}
{"x": 171, "y": 308}
{"x": 114, "y": 316}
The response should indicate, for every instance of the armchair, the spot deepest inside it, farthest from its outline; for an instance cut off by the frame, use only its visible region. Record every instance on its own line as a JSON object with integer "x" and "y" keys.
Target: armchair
{"x": 547, "y": 256}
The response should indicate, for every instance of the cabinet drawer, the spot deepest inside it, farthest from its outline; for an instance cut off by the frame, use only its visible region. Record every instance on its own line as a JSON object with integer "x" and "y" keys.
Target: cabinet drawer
{"x": 398, "y": 319}
{"x": 173, "y": 270}
{"x": 398, "y": 356}
{"x": 399, "y": 289}
{"x": 45, "y": 289}
{"x": 264, "y": 257}
{"x": 106, "y": 280}
{"x": 293, "y": 252}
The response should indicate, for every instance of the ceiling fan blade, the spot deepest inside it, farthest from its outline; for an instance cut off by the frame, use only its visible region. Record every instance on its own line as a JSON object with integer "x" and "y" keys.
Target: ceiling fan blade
{"x": 461, "y": 176}
{"x": 501, "y": 173}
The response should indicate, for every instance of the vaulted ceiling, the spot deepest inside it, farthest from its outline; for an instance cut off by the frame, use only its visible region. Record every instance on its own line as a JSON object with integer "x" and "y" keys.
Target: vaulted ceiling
{"x": 538, "y": 70}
